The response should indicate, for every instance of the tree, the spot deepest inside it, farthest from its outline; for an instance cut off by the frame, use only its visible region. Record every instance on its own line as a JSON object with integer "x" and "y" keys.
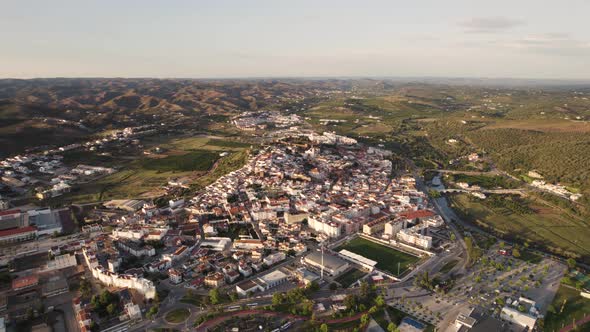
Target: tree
{"x": 516, "y": 253}
{"x": 214, "y": 296}
{"x": 379, "y": 301}
{"x": 350, "y": 301}
{"x": 313, "y": 287}
{"x": 333, "y": 286}
{"x": 277, "y": 298}
{"x": 364, "y": 320}
{"x": 571, "y": 263}
{"x": 392, "y": 327}
{"x": 85, "y": 288}
{"x": 233, "y": 296}
{"x": 364, "y": 289}
{"x": 111, "y": 309}
{"x": 473, "y": 250}
{"x": 453, "y": 238}
{"x": 324, "y": 328}
{"x": 152, "y": 312}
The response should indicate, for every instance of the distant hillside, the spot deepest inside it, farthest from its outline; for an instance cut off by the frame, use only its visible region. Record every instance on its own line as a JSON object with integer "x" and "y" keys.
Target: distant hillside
{"x": 57, "y": 111}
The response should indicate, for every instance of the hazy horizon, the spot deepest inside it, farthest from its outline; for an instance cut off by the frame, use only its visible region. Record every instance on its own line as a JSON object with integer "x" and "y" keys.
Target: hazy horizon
{"x": 458, "y": 39}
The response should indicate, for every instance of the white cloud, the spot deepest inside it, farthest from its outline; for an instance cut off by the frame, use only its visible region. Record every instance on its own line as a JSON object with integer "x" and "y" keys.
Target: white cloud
{"x": 489, "y": 24}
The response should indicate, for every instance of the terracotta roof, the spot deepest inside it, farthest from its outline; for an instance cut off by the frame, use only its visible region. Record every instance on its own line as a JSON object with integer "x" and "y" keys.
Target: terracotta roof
{"x": 417, "y": 214}
{"x": 24, "y": 282}
{"x": 7, "y": 212}
{"x": 14, "y": 231}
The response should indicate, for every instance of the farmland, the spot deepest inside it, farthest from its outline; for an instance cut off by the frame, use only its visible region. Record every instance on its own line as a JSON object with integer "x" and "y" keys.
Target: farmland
{"x": 546, "y": 227}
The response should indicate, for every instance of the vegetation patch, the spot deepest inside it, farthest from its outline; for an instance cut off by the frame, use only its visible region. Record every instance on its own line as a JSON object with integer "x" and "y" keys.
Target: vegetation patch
{"x": 567, "y": 306}
{"x": 552, "y": 230}
{"x": 350, "y": 277}
{"x": 177, "y": 316}
{"x": 484, "y": 181}
{"x": 449, "y": 266}
{"x": 192, "y": 161}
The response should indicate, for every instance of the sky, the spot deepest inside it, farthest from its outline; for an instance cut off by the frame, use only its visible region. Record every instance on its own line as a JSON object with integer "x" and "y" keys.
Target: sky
{"x": 545, "y": 39}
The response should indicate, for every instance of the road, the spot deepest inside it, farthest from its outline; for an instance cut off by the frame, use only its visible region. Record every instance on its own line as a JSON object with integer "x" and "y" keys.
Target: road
{"x": 520, "y": 192}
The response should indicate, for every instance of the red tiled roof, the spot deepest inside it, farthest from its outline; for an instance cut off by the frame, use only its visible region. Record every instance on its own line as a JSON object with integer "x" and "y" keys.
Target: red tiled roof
{"x": 7, "y": 212}
{"x": 417, "y": 214}
{"x": 23, "y": 282}
{"x": 14, "y": 231}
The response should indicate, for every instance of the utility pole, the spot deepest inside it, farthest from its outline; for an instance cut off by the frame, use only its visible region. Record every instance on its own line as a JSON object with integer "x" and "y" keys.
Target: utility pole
{"x": 322, "y": 270}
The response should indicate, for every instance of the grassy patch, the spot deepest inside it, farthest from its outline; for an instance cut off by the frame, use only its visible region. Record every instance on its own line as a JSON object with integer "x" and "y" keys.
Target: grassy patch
{"x": 224, "y": 166}
{"x": 350, "y": 277}
{"x": 530, "y": 257}
{"x": 484, "y": 181}
{"x": 192, "y": 161}
{"x": 228, "y": 144}
{"x": 449, "y": 266}
{"x": 177, "y": 316}
{"x": 143, "y": 177}
{"x": 235, "y": 230}
{"x": 387, "y": 258}
{"x": 568, "y": 304}
{"x": 195, "y": 299}
{"x": 77, "y": 157}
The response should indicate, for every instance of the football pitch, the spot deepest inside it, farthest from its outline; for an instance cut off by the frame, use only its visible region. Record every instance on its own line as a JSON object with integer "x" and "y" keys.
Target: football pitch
{"x": 387, "y": 258}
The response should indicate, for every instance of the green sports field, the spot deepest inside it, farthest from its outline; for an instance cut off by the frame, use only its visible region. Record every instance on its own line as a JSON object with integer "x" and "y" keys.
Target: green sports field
{"x": 387, "y": 258}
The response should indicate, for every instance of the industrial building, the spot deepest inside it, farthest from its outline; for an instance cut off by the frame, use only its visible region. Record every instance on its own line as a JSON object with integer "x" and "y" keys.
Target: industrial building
{"x": 328, "y": 263}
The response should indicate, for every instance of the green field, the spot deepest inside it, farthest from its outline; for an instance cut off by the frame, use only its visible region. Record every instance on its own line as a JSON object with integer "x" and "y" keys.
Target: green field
{"x": 387, "y": 258}
{"x": 177, "y": 316}
{"x": 143, "y": 177}
{"x": 568, "y": 304}
{"x": 546, "y": 227}
{"x": 192, "y": 161}
{"x": 350, "y": 277}
{"x": 484, "y": 181}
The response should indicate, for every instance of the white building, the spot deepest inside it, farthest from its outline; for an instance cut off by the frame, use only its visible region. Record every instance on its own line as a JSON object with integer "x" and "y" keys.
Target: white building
{"x": 366, "y": 263}
{"x": 392, "y": 228}
{"x": 526, "y": 318}
{"x": 274, "y": 258}
{"x": 143, "y": 286}
{"x": 175, "y": 276}
{"x": 248, "y": 244}
{"x": 413, "y": 237}
{"x": 331, "y": 229}
{"x": 216, "y": 243}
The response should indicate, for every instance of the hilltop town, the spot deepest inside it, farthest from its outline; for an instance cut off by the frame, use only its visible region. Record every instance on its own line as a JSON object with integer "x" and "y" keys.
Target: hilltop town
{"x": 289, "y": 217}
